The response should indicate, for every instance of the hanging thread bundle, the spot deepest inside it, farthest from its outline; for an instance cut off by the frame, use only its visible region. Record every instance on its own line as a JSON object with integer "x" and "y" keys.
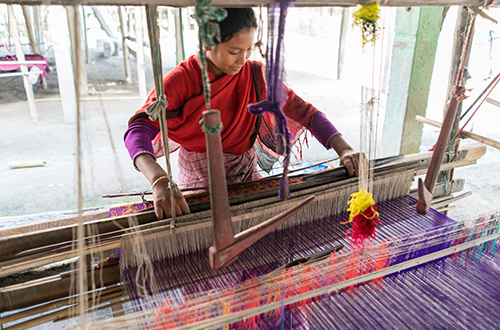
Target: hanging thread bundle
{"x": 275, "y": 98}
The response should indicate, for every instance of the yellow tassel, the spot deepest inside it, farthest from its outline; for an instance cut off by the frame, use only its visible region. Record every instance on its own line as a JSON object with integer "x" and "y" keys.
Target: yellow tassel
{"x": 360, "y": 201}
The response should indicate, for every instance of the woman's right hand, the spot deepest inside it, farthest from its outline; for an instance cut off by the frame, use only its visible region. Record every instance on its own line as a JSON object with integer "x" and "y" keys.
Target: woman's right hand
{"x": 162, "y": 202}
{"x": 155, "y": 174}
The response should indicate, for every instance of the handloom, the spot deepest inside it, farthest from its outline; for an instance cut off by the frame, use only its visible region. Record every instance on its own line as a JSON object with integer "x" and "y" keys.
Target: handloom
{"x": 319, "y": 312}
{"x": 184, "y": 285}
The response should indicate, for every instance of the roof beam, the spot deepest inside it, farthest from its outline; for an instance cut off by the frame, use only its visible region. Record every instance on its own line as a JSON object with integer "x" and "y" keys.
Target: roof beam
{"x": 247, "y": 3}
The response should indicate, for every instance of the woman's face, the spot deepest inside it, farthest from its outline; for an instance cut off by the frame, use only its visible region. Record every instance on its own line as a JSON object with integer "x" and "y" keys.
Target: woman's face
{"x": 229, "y": 57}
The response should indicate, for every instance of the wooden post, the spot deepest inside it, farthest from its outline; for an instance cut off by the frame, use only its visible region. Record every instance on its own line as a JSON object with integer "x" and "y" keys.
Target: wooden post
{"x": 38, "y": 25}
{"x": 74, "y": 24}
{"x": 415, "y": 43}
{"x": 458, "y": 45}
{"x": 126, "y": 60}
{"x": 179, "y": 38}
{"x": 102, "y": 21}
{"x": 141, "y": 74}
{"x": 24, "y": 69}
{"x": 463, "y": 21}
{"x": 29, "y": 28}
{"x": 85, "y": 39}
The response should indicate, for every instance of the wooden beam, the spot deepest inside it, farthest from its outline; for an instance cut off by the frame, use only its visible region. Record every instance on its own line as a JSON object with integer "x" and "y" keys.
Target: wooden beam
{"x": 53, "y": 287}
{"x": 492, "y": 101}
{"x": 474, "y": 136}
{"x": 254, "y": 3}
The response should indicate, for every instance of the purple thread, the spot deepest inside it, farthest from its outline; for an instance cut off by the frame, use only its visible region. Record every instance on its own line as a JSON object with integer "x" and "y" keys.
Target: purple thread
{"x": 275, "y": 97}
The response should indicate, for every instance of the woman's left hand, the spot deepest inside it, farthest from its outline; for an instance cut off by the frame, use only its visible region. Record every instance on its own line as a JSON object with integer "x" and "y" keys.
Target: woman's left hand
{"x": 355, "y": 162}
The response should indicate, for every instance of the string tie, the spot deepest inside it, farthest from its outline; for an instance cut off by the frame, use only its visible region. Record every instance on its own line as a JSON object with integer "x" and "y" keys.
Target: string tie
{"x": 208, "y": 18}
{"x": 210, "y": 129}
{"x": 154, "y": 109}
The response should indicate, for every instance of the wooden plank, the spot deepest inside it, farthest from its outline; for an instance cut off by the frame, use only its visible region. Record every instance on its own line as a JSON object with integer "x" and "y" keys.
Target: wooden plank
{"x": 440, "y": 188}
{"x": 52, "y": 258}
{"x": 247, "y": 3}
{"x": 53, "y": 287}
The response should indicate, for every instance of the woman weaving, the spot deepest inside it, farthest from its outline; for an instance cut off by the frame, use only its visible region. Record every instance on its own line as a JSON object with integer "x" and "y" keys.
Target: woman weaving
{"x": 236, "y": 82}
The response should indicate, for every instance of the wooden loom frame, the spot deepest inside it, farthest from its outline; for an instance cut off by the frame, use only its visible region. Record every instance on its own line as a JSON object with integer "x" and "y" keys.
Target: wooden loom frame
{"x": 181, "y": 3}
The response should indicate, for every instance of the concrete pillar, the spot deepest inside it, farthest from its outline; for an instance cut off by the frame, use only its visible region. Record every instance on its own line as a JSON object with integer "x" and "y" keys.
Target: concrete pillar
{"x": 413, "y": 55}
{"x": 64, "y": 67}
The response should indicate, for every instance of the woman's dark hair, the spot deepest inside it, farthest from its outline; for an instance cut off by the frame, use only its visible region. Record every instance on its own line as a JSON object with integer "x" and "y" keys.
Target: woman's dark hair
{"x": 237, "y": 20}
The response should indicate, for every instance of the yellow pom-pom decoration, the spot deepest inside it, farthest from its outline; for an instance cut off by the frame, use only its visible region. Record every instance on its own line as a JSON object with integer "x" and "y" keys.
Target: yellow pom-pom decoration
{"x": 360, "y": 201}
{"x": 364, "y": 217}
{"x": 367, "y": 17}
